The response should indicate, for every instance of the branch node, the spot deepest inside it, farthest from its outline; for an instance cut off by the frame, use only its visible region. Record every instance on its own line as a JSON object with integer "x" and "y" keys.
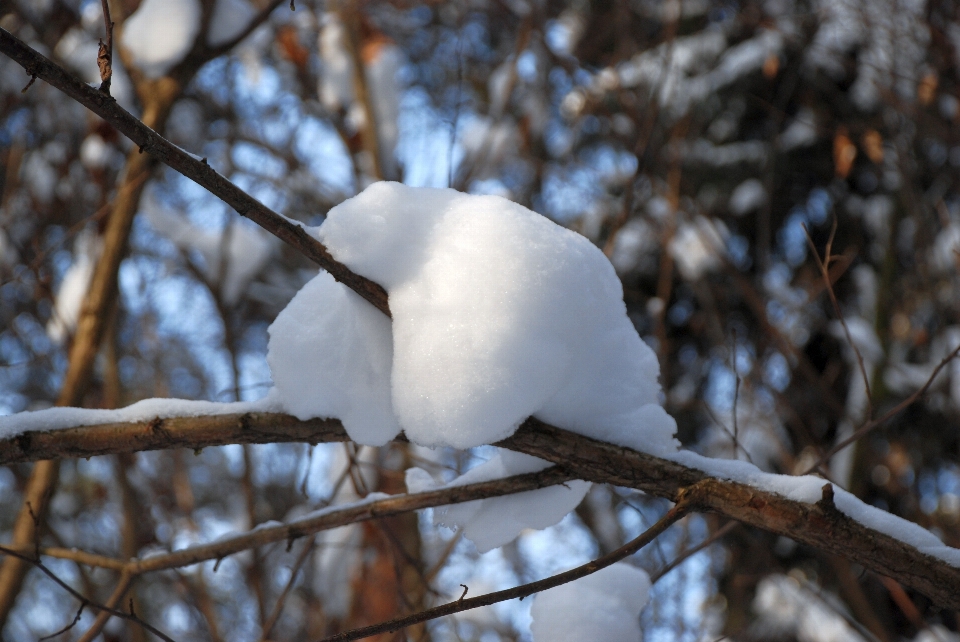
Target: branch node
{"x": 464, "y": 594}
{"x": 33, "y": 79}
{"x": 826, "y": 500}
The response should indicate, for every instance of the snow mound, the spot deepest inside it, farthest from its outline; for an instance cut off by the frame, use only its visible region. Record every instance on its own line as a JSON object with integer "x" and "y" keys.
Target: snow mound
{"x": 329, "y": 354}
{"x": 492, "y": 522}
{"x": 499, "y": 314}
{"x": 160, "y": 33}
{"x": 603, "y": 606}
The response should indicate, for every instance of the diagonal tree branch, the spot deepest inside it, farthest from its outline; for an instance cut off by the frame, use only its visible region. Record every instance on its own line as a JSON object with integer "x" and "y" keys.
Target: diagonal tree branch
{"x": 326, "y": 519}
{"x": 684, "y": 505}
{"x": 193, "y": 168}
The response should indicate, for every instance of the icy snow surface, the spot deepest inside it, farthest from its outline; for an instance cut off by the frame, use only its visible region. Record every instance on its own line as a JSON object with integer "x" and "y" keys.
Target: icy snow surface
{"x": 330, "y": 354}
{"x": 499, "y": 314}
{"x": 160, "y": 33}
{"x": 492, "y": 522}
{"x": 603, "y": 606}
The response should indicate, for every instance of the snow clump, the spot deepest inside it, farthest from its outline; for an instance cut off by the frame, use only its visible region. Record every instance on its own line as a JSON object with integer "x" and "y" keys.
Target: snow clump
{"x": 330, "y": 354}
{"x": 498, "y": 314}
{"x": 603, "y": 606}
{"x": 492, "y": 522}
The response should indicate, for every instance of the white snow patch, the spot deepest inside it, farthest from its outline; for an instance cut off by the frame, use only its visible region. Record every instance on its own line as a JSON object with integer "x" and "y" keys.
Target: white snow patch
{"x": 58, "y": 418}
{"x": 801, "y": 132}
{"x": 492, "y": 522}
{"x": 603, "y": 606}
{"x": 330, "y": 354}
{"x": 383, "y": 61}
{"x": 748, "y": 196}
{"x": 635, "y": 240}
{"x": 698, "y": 247}
{"x": 499, "y": 314}
{"x": 945, "y": 253}
{"x": 789, "y": 608}
{"x": 160, "y": 33}
{"x": 73, "y": 288}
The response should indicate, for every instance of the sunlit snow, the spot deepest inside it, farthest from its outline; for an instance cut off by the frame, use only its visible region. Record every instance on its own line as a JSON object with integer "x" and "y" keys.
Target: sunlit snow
{"x": 499, "y": 314}
{"x": 603, "y": 606}
{"x": 494, "y": 521}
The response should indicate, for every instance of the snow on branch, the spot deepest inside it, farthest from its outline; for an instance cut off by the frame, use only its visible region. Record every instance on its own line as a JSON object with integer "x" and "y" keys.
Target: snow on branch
{"x": 824, "y": 523}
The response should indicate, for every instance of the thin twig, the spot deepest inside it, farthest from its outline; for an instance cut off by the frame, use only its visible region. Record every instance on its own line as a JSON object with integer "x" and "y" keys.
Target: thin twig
{"x": 690, "y": 552}
{"x": 873, "y": 423}
{"x": 824, "y": 267}
{"x": 328, "y": 519}
{"x": 105, "y": 51}
{"x": 736, "y": 396}
{"x": 294, "y": 571}
{"x": 684, "y": 506}
{"x": 79, "y": 596}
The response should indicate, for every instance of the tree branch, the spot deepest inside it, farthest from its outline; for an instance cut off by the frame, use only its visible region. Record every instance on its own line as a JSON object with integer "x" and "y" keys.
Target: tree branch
{"x": 820, "y": 525}
{"x": 193, "y": 168}
{"x": 329, "y": 518}
{"x": 684, "y": 505}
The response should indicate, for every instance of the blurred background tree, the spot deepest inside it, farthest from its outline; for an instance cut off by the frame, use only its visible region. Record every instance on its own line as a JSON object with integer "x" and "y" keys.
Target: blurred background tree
{"x": 775, "y": 182}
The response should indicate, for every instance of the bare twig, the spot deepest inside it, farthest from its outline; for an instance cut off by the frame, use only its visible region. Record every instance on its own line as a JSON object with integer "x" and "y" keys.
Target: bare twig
{"x": 823, "y": 265}
{"x": 690, "y": 552}
{"x": 163, "y": 150}
{"x": 873, "y": 423}
{"x": 79, "y": 596}
{"x": 325, "y": 520}
{"x": 105, "y": 51}
{"x": 686, "y": 503}
{"x": 271, "y": 620}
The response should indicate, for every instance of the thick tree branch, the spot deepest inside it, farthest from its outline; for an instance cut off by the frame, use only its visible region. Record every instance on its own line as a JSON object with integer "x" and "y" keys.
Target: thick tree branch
{"x": 820, "y": 525}
{"x": 193, "y": 168}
